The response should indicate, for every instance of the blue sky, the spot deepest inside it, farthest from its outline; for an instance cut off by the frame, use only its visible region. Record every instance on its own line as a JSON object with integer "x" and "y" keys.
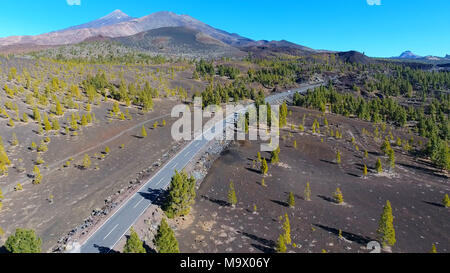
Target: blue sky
{"x": 381, "y": 28}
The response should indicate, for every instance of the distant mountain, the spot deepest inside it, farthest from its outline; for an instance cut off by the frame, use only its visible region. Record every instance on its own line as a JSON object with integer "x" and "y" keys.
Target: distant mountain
{"x": 179, "y": 41}
{"x": 128, "y": 27}
{"x": 354, "y": 57}
{"x": 408, "y": 55}
{"x": 411, "y": 57}
{"x": 265, "y": 48}
{"x": 114, "y": 17}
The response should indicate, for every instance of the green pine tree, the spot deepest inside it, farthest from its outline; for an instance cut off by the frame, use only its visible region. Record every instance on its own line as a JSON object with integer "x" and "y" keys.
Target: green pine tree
{"x": 232, "y": 199}
{"x": 386, "y": 231}
{"x": 86, "y": 162}
{"x": 23, "y": 241}
{"x": 134, "y": 244}
{"x": 378, "y": 166}
{"x": 338, "y": 197}
{"x": 433, "y": 249}
{"x": 143, "y": 132}
{"x": 307, "y": 193}
{"x": 275, "y": 156}
{"x": 264, "y": 167}
{"x": 180, "y": 195}
{"x": 446, "y": 201}
{"x": 281, "y": 244}
{"x": 291, "y": 200}
{"x": 165, "y": 240}
{"x": 287, "y": 230}
{"x": 365, "y": 170}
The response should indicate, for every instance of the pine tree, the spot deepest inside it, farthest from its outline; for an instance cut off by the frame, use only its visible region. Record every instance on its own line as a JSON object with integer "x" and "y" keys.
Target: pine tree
{"x": 287, "y": 230}
{"x": 86, "y": 162}
{"x": 165, "y": 240}
{"x": 275, "y": 156}
{"x": 47, "y": 124}
{"x": 84, "y": 121}
{"x": 180, "y": 195}
{"x": 307, "y": 193}
{"x": 134, "y": 244}
{"x": 14, "y": 140}
{"x": 116, "y": 108}
{"x": 446, "y": 201}
{"x": 338, "y": 197}
{"x": 36, "y": 115}
{"x": 23, "y": 241}
{"x": 385, "y": 229}
{"x": 263, "y": 183}
{"x": 11, "y": 123}
{"x": 386, "y": 147}
{"x": 143, "y": 132}
{"x": 59, "y": 110}
{"x": 291, "y": 200}
{"x": 232, "y": 199}
{"x": 264, "y": 167}
{"x": 55, "y": 125}
{"x": 365, "y": 170}
{"x": 378, "y": 166}
{"x": 281, "y": 244}
{"x": 391, "y": 154}
{"x": 37, "y": 176}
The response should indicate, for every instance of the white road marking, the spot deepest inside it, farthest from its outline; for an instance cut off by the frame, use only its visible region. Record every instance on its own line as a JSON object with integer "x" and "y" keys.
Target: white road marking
{"x": 138, "y": 203}
{"x": 159, "y": 182}
{"x": 110, "y": 232}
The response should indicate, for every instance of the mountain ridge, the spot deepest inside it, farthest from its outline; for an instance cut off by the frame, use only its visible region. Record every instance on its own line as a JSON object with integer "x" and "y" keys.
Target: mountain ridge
{"x": 117, "y": 16}
{"x": 130, "y": 26}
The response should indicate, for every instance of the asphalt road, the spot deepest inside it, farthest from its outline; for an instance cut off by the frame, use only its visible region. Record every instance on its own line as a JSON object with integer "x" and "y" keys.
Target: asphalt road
{"x": 108, "y": 235}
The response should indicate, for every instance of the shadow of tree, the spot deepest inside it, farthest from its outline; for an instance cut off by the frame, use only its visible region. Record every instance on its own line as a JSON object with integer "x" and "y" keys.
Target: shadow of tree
{"x": 267, "y": 246}
{"x": 264, "y": 249}
{"x": 216, "y": 201}
{"x": 434, "y": 204}
{"x": 362, "y": 240}
{"x": 103, "y": 250}
{"x": 326, "y": 198}
{"x": 425, "y": 170}
{"x": 3, "y": 250}
{"x": 284, "y": 204}
{"x": 253, "y": 170}
{"x": 156, "y": 196}
{"x": 352, "y": 174}
{"x": 329, "y": 162}
{"x": 148, "y": 249}
{"x": 266, "y": 242}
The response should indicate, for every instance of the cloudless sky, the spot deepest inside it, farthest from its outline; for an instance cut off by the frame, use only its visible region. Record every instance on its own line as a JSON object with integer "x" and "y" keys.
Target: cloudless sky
{"x": 385, "y": 30}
